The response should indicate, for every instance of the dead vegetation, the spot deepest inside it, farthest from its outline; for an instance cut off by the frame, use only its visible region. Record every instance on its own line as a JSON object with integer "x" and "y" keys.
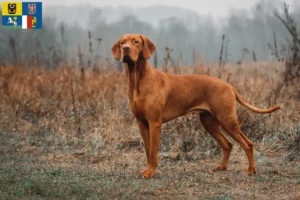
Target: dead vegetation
{"x": 78, "y": 136}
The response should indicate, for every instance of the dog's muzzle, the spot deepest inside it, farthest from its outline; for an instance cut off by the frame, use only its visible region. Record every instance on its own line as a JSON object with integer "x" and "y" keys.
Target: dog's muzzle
{"x": 127, "y": 59}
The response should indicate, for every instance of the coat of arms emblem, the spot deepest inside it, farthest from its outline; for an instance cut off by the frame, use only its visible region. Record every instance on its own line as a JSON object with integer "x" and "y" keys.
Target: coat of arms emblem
{"x": 31, "y": 8}
{"x": 12, "y": 8}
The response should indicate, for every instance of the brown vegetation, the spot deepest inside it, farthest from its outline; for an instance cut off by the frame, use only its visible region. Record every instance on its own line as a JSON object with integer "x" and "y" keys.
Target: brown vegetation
{"x": 79, "y": 137}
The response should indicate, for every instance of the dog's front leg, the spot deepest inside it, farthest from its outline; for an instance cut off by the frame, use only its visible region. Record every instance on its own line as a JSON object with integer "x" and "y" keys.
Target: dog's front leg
{"x": 155, "y": 130}
{"x": 144, "y": 130}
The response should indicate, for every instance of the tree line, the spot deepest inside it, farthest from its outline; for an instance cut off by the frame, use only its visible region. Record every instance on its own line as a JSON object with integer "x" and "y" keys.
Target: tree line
{"x": 246, "y": 37}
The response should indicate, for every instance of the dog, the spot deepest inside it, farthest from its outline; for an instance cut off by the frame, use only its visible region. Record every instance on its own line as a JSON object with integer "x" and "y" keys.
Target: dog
{"x": 12, "y": 8}
{"x": 156, "y": 97}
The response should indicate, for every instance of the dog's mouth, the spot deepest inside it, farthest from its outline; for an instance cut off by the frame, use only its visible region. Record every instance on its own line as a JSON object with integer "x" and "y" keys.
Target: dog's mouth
{"x": 127, "y": 59}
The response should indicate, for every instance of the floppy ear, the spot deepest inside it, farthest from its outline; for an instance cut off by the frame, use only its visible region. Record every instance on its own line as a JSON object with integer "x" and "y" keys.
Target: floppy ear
{"x": 116, "y": 50}
{"x": 149, "y": 47}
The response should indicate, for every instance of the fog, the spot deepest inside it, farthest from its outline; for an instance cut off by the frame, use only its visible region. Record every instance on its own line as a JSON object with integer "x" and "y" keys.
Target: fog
{"x": 188, "y": 33}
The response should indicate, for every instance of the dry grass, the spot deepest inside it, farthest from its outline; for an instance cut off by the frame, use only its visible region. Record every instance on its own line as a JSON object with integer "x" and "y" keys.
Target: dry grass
{"x": 63, "y": 136}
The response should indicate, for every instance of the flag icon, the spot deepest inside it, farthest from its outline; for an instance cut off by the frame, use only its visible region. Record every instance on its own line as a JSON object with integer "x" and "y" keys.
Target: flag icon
{"x": 25, "y": 15}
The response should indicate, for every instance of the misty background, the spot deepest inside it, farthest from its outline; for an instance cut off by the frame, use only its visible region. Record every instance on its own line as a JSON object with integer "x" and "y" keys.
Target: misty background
{"x": 193, "y": 37}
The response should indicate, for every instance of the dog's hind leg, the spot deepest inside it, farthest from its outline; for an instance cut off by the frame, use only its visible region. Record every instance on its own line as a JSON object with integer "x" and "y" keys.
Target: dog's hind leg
{"x": 214, "y": 129}
{"x": 229, "y": 123}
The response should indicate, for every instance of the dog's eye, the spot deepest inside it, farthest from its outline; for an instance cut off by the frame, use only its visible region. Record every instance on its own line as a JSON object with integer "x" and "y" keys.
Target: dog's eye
{"x": 136, "y": 41}
{"x": 122, "y": 42}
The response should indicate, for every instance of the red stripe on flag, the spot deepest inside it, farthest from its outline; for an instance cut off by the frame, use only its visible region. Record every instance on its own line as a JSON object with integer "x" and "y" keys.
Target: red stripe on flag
{"x": 29, "y": 21}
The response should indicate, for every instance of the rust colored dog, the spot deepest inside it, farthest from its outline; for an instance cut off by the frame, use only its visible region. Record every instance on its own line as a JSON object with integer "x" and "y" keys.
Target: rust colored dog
{"x": 157, "y": 97}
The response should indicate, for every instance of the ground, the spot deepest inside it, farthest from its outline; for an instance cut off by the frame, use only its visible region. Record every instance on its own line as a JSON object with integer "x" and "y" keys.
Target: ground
{"x": 64, "y": 174}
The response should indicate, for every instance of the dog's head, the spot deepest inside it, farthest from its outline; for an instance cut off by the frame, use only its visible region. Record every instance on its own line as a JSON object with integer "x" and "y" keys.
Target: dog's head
{"x": 131, "y": 47}
{"x": 12, "y": 8}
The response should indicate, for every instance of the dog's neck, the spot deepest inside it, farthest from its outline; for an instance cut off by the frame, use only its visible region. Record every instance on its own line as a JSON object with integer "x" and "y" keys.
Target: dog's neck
{"x": 135, "y": 71}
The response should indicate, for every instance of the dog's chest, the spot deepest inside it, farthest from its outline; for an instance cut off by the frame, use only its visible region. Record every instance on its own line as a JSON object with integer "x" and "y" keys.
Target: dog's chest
{"x": 136, "y": 107}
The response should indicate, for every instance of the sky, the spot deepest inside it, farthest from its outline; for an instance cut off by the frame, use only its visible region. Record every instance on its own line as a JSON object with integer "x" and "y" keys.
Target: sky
{"x": 216, "y": 8}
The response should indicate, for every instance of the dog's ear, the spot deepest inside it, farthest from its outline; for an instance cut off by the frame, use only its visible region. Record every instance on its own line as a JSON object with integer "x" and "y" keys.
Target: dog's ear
{"x": 116, "y": 50}
{"x": 149, "y": 47}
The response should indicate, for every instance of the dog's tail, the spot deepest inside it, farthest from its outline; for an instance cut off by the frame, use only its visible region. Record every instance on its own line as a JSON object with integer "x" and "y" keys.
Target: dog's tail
{"x": 240, "y": 99}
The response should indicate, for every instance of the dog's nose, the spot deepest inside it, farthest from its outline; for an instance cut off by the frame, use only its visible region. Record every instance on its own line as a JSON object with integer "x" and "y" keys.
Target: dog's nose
{"x": 126, "y": 48}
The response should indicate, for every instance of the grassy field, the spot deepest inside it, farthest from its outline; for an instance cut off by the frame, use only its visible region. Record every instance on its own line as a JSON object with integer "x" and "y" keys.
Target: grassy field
{"x": 65, "y": 135}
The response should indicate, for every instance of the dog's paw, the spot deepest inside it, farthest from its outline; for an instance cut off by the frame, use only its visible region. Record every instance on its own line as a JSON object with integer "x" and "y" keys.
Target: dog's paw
{"x": 148, "y": 173}
{"x": 219, "y": 168}
{"x": 251, "y": 171}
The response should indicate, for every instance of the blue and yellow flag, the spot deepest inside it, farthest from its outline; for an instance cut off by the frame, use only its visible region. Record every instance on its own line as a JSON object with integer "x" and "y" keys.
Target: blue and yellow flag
{"x": 25, "y": 15}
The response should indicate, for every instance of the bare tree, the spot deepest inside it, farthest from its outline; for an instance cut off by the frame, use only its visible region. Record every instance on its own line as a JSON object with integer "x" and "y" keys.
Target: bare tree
{"x": 224, "y": 51}
{"x": 292, "y": 62}
{"x": 168, "y": 59}
{"x": 245, "y": 51}
{"x": 274, "y": 48}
